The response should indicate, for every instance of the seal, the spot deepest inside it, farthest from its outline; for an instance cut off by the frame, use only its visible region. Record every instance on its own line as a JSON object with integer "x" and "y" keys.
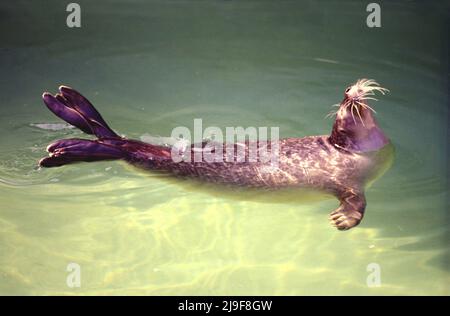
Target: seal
{"x": 343, "y": 163}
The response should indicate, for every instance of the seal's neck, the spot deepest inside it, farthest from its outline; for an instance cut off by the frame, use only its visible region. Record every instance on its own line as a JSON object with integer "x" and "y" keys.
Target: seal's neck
{"x": 357, "y": 132}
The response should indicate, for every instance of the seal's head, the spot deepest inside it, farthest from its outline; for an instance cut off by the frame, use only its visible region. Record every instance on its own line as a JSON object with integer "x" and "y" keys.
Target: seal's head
{"x": 355, "y": 128}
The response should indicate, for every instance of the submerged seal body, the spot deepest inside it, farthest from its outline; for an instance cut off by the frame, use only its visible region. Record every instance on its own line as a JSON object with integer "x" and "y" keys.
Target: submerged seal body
{"x": 342, "y": 163}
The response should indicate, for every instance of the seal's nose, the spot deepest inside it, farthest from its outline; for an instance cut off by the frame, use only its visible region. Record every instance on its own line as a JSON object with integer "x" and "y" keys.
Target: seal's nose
{"x": 346, "y": 93}
{"x": 353, "y": 93}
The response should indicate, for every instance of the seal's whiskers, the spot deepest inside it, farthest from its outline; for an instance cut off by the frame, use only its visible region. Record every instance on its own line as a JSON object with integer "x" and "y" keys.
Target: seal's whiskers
{"x": 358, "y": 93}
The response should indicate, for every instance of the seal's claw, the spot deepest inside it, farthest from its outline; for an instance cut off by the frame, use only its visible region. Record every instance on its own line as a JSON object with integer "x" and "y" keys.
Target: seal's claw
{"x": 334, "y": 216}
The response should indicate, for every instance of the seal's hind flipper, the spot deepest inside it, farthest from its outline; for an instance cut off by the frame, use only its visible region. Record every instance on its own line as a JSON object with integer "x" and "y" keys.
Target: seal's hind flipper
{"x": 66, "y": 113}
{"x": 83, "y": 106}
{"x": 75, "y": 109}
{"x": 66, "y": 151}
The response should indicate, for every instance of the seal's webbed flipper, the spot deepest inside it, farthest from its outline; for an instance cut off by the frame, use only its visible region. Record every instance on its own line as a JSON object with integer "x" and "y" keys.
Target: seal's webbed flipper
{"x": 351, "y": 211}
{"x": 75, "y": 109}
{"x": 66, "y": 151}
{"x": 66, "y": 113}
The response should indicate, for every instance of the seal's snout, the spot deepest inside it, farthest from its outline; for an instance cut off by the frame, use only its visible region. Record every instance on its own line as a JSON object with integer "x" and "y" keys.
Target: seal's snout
{"x": 355, "y": 127}
{"x": 355, "y": 93}
{"x": 363, "y": 89}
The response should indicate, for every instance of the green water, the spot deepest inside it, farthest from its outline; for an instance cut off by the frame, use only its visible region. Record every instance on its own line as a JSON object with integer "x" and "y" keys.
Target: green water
{"x": 150, "y": 66}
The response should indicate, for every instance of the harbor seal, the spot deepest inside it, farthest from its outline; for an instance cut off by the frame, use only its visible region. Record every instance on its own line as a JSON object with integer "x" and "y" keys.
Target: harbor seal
{"x": 342, "y": 163}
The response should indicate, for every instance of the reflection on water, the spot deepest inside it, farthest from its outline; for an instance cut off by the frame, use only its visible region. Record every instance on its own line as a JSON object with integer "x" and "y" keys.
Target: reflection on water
{"x": 232, "y": 64}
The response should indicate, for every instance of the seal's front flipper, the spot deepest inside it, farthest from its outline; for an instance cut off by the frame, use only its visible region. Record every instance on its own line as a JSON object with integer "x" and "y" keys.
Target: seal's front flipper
{"x": 66, "y": 151}
{"x": 75, "y": 109}
{"x": 351, "y": 211}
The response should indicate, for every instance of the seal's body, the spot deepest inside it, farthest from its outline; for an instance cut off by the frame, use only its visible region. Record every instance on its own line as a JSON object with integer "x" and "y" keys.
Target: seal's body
{"x": 342, "y": 163}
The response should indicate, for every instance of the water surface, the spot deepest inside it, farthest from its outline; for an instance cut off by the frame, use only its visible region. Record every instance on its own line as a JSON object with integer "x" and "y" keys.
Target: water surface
{"x": 150, "y": 66}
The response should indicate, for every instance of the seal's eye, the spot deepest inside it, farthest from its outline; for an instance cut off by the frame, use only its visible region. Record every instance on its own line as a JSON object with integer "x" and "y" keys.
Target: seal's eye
{"x": 347, "y": 90}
